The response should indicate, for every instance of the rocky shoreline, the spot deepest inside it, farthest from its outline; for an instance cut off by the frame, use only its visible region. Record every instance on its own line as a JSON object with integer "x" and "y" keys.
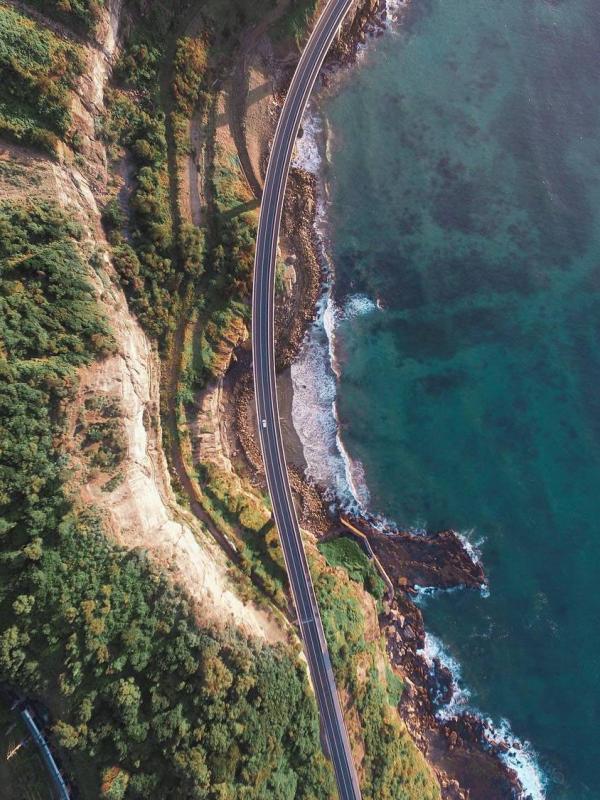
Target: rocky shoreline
{"x": 467, "y": 765}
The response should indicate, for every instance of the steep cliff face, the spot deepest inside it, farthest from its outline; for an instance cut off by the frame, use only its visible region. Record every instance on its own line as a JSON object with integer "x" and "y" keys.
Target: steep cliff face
{"x": 141, "y": 510}
{"x": 133, "y": 491}
{"x": 154, "y": 441}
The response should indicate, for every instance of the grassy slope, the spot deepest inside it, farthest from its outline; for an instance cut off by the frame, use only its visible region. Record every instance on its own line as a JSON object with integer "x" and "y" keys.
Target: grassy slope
{"x": 81, "y": 14}
{"x": 345, "y": 552}
{"x": 392, "y": 767}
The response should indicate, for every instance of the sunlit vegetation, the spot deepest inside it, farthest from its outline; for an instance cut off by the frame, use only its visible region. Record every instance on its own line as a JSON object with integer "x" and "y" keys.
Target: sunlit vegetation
{"x": 189, "y": 69}
{"x": 100, "y": 435}
{"x": 161, "y": 251}
{"x": 246, "y": 521}
{"x": 189, "y": 95}
{"x": 134, "y": 121}
{"x": 82, "y": 14}
{"x": 160, "y": 704}
{"x": 49, "y": 325}
{"x": 345, "y": 552}
{"x": 39, "y": 71}
{"x": 392, "y": 767}
{"x": 146, "y": 699}
{"x": 224, "y": 295}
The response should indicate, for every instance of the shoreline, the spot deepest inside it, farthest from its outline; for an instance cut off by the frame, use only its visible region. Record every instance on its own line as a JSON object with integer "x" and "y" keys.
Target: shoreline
{"x": 435, "y": 706}
{"x": 294, "y": 449}
{"x": 468, "y": 755}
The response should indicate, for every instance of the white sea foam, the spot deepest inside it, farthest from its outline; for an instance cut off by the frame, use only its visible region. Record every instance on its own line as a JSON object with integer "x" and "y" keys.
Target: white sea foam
{"x": 314, "y": 372}
{"x": 434, "y": 650}
{"x": 328, "y": 462}
{"x": 315, "y": 414}
{"x": 424, "y": 593}
{"x": 313, "y": 410}
{"x": 307, "y": 153}
{"x": 517, "y": 755}
{"x": 394, "y": 10}
{"x": 471, "y": 545}
{"x": 358, "y": 305}
{"x": 473, "y": 548}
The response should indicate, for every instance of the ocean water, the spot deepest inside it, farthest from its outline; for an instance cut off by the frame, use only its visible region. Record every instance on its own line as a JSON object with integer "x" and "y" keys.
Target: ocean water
{"x": 464, "y": 226}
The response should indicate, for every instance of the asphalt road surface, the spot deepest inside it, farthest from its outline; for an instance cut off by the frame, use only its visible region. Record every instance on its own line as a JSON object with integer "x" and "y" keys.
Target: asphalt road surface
{"x": 263, "y": 353}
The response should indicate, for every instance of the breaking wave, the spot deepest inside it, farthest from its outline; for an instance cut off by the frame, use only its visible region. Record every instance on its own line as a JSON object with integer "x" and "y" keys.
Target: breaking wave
{"x": 315, "y": 370}
{"x": 328, "y": 462}
{"x": 517, "y": 755}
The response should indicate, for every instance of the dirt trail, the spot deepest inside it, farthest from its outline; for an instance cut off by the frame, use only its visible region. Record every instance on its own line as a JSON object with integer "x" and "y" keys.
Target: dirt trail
{"x": 239, "y": 89}
{"x": 194, "y": 178}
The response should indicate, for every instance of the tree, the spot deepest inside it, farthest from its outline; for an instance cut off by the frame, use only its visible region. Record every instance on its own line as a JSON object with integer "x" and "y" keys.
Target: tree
{"x": 114, "y": 784}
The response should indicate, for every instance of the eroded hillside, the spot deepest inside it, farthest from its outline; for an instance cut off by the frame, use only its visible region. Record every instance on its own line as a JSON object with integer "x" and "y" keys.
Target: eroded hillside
{"x": 144, "y": 599}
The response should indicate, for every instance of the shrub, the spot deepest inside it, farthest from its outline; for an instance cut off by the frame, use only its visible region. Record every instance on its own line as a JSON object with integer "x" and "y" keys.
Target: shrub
{"x": 38, "y": 73}
{"x": 84, "y": 14}
{"x": 189, "y": 67}
{"x": 149, "y": 701}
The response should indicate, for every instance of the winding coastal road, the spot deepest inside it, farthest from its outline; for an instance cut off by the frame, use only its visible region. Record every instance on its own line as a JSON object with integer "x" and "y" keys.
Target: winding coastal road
{"x": 263, "y": 354}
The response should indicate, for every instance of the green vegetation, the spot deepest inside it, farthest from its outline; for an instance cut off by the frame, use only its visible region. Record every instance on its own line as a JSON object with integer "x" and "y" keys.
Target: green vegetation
{"x": 345, "y": 552}
{"x": 296, "y": 23}
{"x": 16, "y": 174}
{"x": 163, "y": 706}
{"x": 393, "y": 768}
{"x": 162, "y": 251}
{"x": 82, "y": 14}
{"x": 189, "y": 95}
{"x": 113, "y": 483}
{"x": 147, "y": 701}
{"x": 104, "y": 444}
{"x": 38, "y": 72}
{"x": 49, "y": 325}
{"x": 166, "y": 254}
{"x": 395, "y": 686}
{"x": 225, "y": 291}
{"x": 343, "y": 621}
{"x": 145, "y": 265}
{"x": 189, "y": 68}
{"x": 244, "y": 519}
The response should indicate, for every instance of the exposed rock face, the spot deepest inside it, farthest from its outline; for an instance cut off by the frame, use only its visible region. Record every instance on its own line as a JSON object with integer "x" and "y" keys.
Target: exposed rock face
{"x": 428, "y": 559}
{"x": 141, "y": 511}
{"x": 467, "y": 766}
{"x": 361, "y": 19}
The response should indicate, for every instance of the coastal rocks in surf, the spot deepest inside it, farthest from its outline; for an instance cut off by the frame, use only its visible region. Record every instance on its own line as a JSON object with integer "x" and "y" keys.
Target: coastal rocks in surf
{"x": 366, "y": 20}
{"x": 467, "y": 765}
{"x": 438, "y": 560}
{"x": 294, "y": 313}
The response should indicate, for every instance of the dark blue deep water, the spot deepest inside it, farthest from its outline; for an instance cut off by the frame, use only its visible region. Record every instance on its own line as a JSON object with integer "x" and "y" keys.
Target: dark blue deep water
{"x": 466, "y": 197}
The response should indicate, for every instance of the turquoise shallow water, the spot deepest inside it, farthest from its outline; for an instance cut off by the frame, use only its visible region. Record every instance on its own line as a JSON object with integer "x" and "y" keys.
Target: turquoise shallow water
{"x": 465, "y": 164}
